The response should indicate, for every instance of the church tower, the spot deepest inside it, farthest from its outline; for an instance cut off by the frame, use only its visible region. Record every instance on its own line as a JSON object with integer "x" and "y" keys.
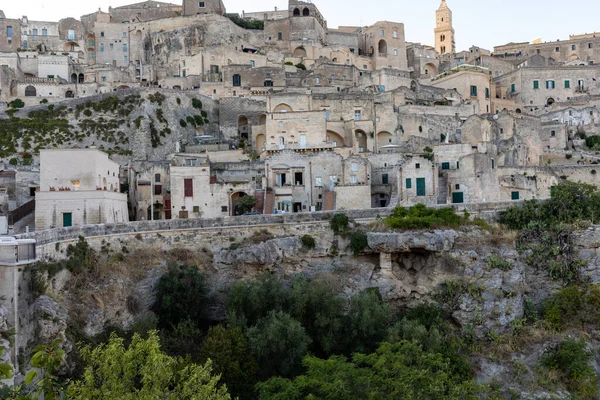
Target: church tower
{"x": 444, "y": 33}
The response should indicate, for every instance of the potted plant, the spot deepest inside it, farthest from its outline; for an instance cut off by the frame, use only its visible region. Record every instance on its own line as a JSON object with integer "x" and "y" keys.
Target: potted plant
{"x": 52, "y": 189}
{"x": 98, "y": 188}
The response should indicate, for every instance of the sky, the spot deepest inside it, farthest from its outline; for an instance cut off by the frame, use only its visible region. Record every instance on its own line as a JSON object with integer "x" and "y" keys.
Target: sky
{"x": 483, "y": 23}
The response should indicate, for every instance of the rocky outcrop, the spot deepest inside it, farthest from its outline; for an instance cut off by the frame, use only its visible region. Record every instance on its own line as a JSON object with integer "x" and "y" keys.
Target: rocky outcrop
{"x": 51, "y": 321}
{"x": 4, "y": 343}
{"x": 405, "y": 242}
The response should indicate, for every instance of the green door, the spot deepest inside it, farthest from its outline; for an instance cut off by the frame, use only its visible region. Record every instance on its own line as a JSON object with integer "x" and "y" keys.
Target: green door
{"x": 420, "y": 186}
{"x": 458, "y": 197}
{"x": 67, "y": 219}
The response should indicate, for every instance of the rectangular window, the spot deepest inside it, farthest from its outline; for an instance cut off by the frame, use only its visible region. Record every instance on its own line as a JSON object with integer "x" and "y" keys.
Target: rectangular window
{"x": 514, "y": 195}
{"x": 188, "y": 187}
{"x": 408, "y": 183}
{"x": 420, "y": 187}
{"x": 223, "y": 208}
{"x": 299, "y": 178}
{"x": 567, "y": 84}
{"x": 536, "y": 84}
{"x": 200, "y": 4}
{"x": 493, "y": 164}
{"x": 71, "y": 34}
{"x": 513, "y": 88}
{"x": 445, "y": 165}
{"x": 9, "y": 31}
{"x": 395, "y": 52}
{"x": 252, "y": 63}
{"x": 125, "y": 59}
{"x": 357, "y": 115}
{"x": 157, "y": 178}
{"x": 279, "y": 35}
{"x": 101, "y": 47}
{"x": 237, "y": 80}
{"x": 318, "y": 80}
{"x": 326, "y": 115}
{"x": 458, "y": 197}
{"x": 157, "y": 190}
{"x": 384, "y": 179}
{"x": 44, "y": 32}
{"x": 124, "y": 47}
{"x": 487, "y": 93}
{"x": 111, "y": 46}
{"x": 124, "y": 34}
{"x": 557, "y": 49}
{"x": 473, "y": 91}
{"x": 353, "y": 179}
{"x": 354, "y": 167}
{"x": 417, "y": 166}
{"x": 549, "y": 84}
{"x": 280, "y": 179}
{"x": 196, "y": 209}
{"x": 101, "y": 34}
{"x": 573, "y": 47}
{"x": 382, "y": 32}
{"x": 395, "y": 34}
{"x": 35, "y": 32}
{"x": 589, "y": 45}
{"x": 318, "y": 181}
{"x": 458, "y": 165}
{"x": 552, "y": 133}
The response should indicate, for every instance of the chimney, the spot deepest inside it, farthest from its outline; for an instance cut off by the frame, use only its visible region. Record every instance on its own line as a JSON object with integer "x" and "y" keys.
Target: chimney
{"x": 275, "y": 8}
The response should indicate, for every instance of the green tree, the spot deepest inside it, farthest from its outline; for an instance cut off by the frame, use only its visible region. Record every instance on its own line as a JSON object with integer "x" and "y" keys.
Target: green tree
{"x": 142, "y": 371}
{"x": 278, "y": 342}
{"x": 228, "y": 348}
{"x": 6, "y": 371}
{"x": 246, "y": 203}
{"x": 182, "y": 340}
{"x": 181, "y": 294}
{"x": 401, "y": 370}
{"x": 366, "y": 322}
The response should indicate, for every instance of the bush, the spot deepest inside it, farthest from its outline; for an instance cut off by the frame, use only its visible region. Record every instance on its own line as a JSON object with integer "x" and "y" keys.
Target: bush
{"x": 182, "y": 123}
{"x": 421, "y": 217}
{"x": 197, "y": 104}
{"x": 572, "y": 359}
{"x": 17, "y": 103}
{"x": 44, "y": 101}
{"x": 358, "y": 241}
{"x": 574, "y": 307}
{"x": 495, "y": 261}
{"x": 593, "y": 142}
{"x": 339, "y": 223}
{"x": 301, "y": 66}
{"x": 246, "y": 24}
{"x": 308, "y": 242}
{"x": 569, "y": 156}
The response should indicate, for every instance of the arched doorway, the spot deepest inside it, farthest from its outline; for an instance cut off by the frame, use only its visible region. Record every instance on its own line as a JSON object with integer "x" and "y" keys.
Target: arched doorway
{"x": 81, "y": 78}
{"x": 382, "y": 47}
{"x": 30, "y": 91}
{"x": 361, "y": 140}
{"x": 379, "y": 200}
{"x": 299, "y": 52}
{"x": 243, "y": 127}
{"x": 296, "y": 12}
{"x": 69, "y": 94}
{"x": 383, "y": 139}
{"x": 262, "y": 120}
{"x": 335, "y": 139}
{"x": 236, "y": 207}
{"x": 306, "y": 12}
{"x": 283, "y": 108}
{"x": 73, "y": 78}
{"x": 550, "y": 101}
{"x": 260, "y": 142}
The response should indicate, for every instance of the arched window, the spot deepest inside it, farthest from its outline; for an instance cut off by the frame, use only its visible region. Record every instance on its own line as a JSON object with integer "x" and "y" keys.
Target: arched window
{"x": 81, "y": 78}
{"x": 305, "y": 12}
{"x": 382, "y": 47}
{"x": 296, "y": 12}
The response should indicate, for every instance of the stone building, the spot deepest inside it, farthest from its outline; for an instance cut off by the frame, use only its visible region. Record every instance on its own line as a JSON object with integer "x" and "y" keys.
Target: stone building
{"x": 87, "y": 194}
{"x": 444, "y": 32}
{"x": 473, "y": 84}
{"x": 417, "y": 181}
{"x": 193, "y": 7}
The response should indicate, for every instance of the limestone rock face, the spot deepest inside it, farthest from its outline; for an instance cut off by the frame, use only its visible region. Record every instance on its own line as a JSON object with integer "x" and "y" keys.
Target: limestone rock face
{"x": 404, "y": 242}
{"x": 50, "y": 320}
{"x": 5, "y": 356}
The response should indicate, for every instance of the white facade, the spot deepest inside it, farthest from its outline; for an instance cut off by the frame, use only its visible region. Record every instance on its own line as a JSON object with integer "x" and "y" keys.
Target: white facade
{"x": 78, "y": 187}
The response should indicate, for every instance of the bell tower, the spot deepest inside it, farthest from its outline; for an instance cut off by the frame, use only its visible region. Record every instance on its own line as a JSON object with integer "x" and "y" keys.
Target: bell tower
{"x": 444, "y": 32}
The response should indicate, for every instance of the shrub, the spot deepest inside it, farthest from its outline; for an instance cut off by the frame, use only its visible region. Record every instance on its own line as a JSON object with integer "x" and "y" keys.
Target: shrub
{"x": 182, "y": 123}
{"x": 197, "y": 104}
{"x": 495, "y": 261}
{"x": 572, "y": 359}
{"x": 573, "y": 306}
{"x": 569, "y": 156}
{"x": 17, "y": 103}
{"x": 339, "y": 223}
{"x": 308, "y": 242}
{"x": 44, "y": 101}
{"x": 288, "y": 63}
{"x": 358, "y": 241}
{"x": 178, "y": 101}
{"x": 87, "y": 112}
{"x": 421, "y": 217}
{"x": 301, "y": 66}
{"x": 593, "y": 142}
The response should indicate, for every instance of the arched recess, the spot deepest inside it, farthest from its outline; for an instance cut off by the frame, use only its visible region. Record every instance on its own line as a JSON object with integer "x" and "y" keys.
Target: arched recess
{"x": 379, "y": 200}
{"x": 382, "y": 47}
{"x": 296, "y": 12}
{"x": 335, "y": 138}
{"x": 123, "y": 87}
{"x": 283, "y": 108}
{"x": 371, "y": 50}
{"x": 299, "y": 52}
{"x": 30, "y": 91}
{"x": 518, "y": 111}
{"x": 306, "y": 12}
{"x": 243, "y": 127}
{"x": 176, "y": 87}
{"x": 361, "y": 140}
{"x": 260, "y": 142}
{"x": 81, "y": 78}
{"x": 69, "y": 94}
{"x": 430, "y": 70}
{"x": 573, "y": 57}
{"x": 235, "y": 207}
{"x": 550, "y": 101}
{"x": 384, "y": 138}
{"x": 73, "y": 78}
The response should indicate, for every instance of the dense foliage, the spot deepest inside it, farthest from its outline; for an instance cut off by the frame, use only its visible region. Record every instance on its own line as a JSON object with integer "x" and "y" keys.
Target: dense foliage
{"x": 421, "y": 217}
{"x": 339, "y": 223}
{"x": 246, "y": 23}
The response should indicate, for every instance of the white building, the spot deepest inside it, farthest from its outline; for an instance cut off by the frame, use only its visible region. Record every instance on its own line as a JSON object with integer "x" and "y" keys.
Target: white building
{"x": 78, "y": 187}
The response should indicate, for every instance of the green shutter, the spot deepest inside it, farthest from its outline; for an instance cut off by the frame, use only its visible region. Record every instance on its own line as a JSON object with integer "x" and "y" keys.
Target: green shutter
{"x": 536, "y": 84}
{"x": 487, "y": 93}
{"x": 420, "y": 186}
{"x": 409, "y": 183}
{"x": 445, "y": 165}
{"x": 473, "y": 91}
{"x": 512, "y": 88}
{"x": 514, "y": 195}
{"x": 458, "y": 197}
{"x": 384, "y": 179}
{"x": 567, "y": 84}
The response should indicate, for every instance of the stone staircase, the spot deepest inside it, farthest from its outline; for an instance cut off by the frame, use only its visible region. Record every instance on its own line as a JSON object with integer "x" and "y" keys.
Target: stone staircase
{"x": 442, "y": 189}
